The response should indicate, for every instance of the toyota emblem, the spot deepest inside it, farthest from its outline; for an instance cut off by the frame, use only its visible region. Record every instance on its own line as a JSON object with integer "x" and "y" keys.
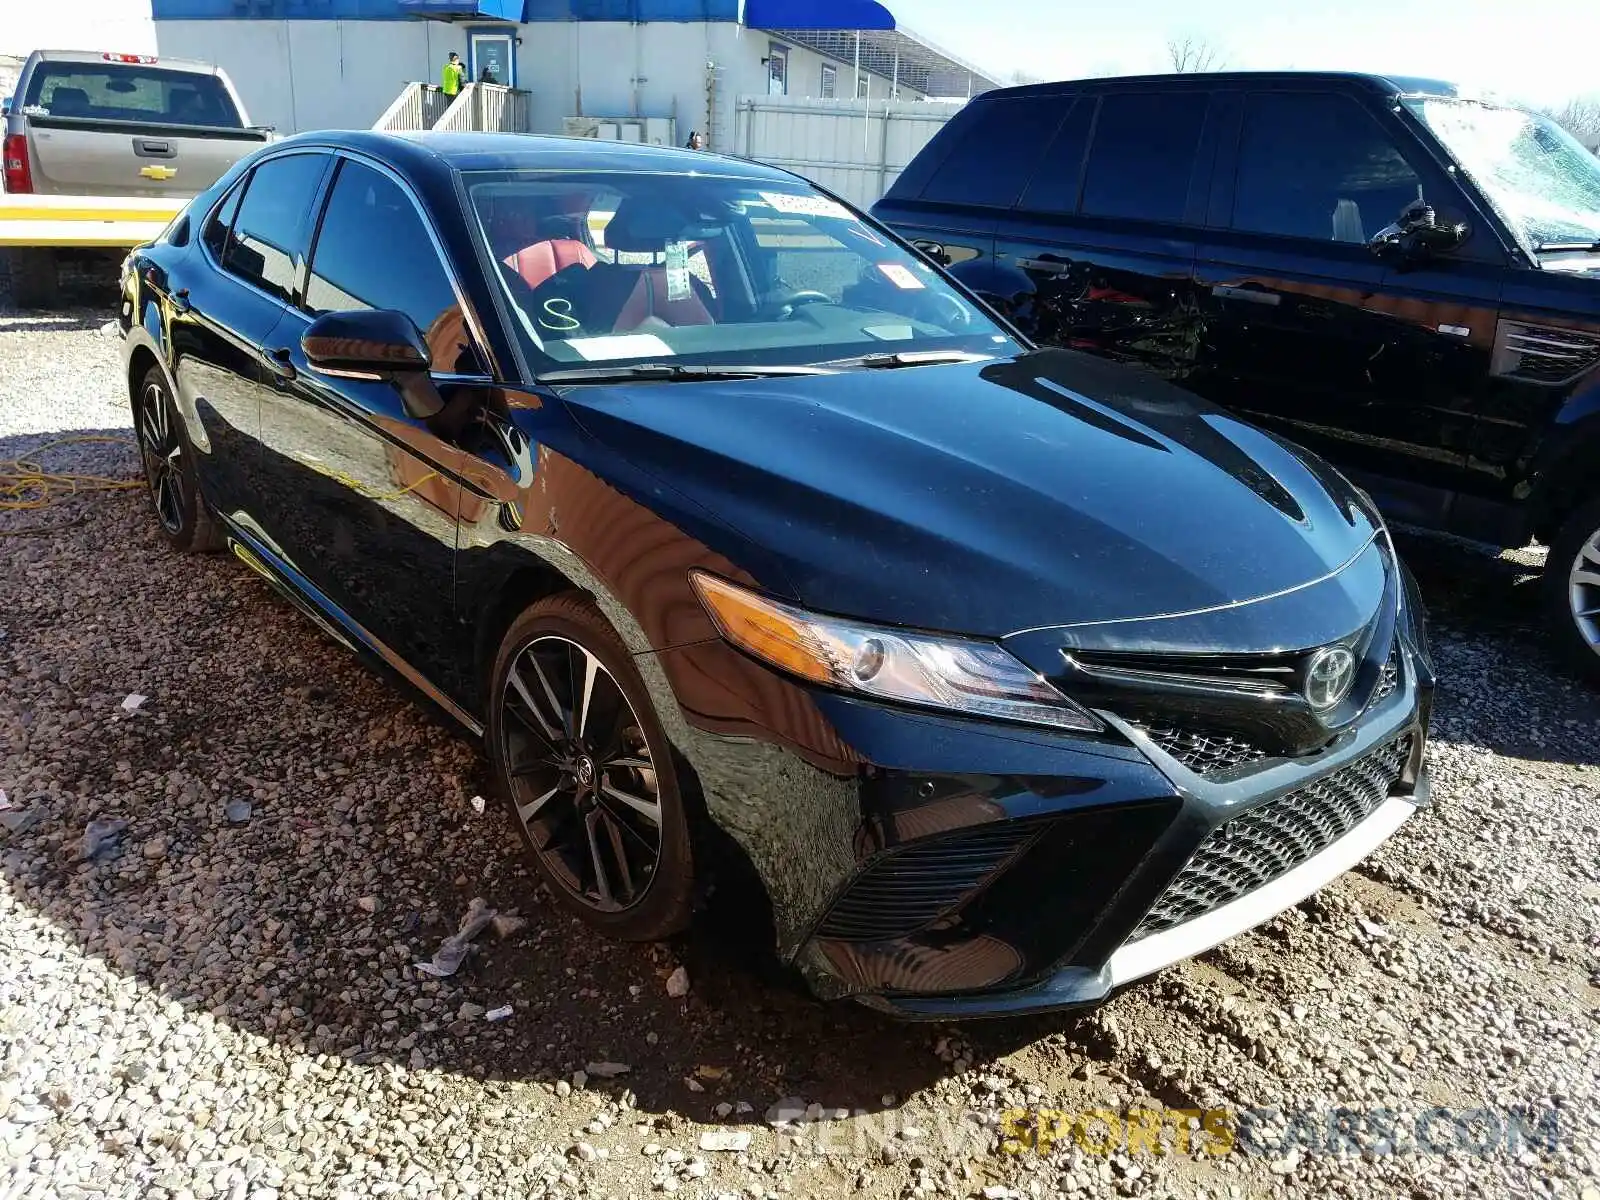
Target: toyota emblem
{"x": 1329, "y": 677}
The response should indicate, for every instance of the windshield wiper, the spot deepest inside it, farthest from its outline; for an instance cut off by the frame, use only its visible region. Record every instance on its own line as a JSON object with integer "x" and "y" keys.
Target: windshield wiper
{"x": 908, "y": 358}
{"x": 671, "y": 373}
{"x": 1559, "y": 247}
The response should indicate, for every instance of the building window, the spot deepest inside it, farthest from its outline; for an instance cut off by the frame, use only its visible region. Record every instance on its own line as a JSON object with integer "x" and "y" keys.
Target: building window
{"x": 778, "y": 70}
{"x": 863, "y": 87}
{"x": 830, "y": 82}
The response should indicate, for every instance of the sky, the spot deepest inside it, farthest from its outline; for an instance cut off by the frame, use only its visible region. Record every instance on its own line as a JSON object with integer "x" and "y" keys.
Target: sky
{"x": 1534, "y": 51}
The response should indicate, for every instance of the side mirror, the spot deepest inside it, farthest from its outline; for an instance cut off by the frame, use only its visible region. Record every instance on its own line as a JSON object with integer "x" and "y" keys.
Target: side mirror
{"x": 375, "y": 345}
{"x": 1417, "y": 235}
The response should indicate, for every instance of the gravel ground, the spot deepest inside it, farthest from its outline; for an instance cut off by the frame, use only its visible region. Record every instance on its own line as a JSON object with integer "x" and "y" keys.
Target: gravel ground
{"x": 223, "y": 1002}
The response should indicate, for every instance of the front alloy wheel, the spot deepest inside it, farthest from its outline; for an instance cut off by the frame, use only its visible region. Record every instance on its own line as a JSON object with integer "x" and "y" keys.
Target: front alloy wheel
{"x": 587, "y": 773}
{"x": 1572, "y": 579}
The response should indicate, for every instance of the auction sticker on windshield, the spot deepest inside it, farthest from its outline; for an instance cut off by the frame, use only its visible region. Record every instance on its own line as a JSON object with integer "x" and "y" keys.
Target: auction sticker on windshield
{"x": 628, "y": 345}
{"x": 806, "y": 206}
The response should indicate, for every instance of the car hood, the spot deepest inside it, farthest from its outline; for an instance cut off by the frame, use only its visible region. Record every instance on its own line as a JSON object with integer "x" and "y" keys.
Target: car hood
{"x": 989, "y": 498}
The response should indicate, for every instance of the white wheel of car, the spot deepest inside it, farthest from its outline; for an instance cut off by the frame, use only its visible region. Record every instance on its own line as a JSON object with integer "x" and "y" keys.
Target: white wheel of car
{"x": 1572, "y": 580}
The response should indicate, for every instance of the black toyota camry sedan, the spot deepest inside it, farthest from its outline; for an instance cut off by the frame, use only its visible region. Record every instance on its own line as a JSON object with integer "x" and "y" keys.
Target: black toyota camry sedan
{"x": 743, "y": 536}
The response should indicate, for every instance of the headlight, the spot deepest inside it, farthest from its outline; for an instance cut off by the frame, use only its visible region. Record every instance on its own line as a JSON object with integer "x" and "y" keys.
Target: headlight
{"x": 958, "y": 674}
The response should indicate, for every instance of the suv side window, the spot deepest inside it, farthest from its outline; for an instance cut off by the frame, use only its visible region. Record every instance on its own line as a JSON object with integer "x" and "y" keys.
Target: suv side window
{"x": 994, "y": 158}
{"x": 1143, "y": 155}
{"x": 1055, "y": 185}
{"x": 373, "y": 251}
{"x": 1318, "y": 166}
{"x": 269, "y": 234}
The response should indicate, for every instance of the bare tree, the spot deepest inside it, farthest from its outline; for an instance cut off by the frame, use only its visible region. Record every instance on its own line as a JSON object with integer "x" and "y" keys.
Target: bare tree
{"x": 1023, "y": 78}
{"x": 1191, "y": 55}
{"x": 1579, "y": 117}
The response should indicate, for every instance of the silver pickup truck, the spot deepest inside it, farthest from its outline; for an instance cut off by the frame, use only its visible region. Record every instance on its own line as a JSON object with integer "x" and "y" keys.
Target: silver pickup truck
{"x": 113, "y": 125}
{"x": 88, "y": 124}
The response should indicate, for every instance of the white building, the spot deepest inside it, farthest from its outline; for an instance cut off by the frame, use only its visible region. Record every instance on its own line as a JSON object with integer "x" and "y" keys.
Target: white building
{"x": 308, "y": 64}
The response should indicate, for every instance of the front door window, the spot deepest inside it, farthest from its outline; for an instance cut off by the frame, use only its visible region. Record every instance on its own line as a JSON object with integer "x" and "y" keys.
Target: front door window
{"x": 778, "y": 71}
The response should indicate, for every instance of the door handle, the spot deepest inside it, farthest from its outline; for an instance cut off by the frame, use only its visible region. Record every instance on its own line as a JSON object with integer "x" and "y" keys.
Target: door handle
{"x": 933, "y": 250}
{"x": 1249, "y": 295}
{"x": 1046, "y": 266}
{"x": 281, "y": 363}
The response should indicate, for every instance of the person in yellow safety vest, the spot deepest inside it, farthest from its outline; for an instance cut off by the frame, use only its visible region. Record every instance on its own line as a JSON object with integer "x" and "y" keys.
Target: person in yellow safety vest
{"x": 452, "y": 75}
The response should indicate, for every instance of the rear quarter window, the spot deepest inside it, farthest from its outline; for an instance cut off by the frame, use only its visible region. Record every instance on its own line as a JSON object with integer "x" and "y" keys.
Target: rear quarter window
{"x": 131, "y": 92}
{"x": 992, "y": 158}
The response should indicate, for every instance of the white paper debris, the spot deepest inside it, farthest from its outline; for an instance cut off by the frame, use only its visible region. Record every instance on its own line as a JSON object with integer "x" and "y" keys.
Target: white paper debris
{"x": 478, "y": 803}
{"x": 733, "y": 1141}
{"x": 132, "y": 702}
{"x": 453, "y": 951}
{"x": 678, "y": 983}
{"x": 498, "y": 1014}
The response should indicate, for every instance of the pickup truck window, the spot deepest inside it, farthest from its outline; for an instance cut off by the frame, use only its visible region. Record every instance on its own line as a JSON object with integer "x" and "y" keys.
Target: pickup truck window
{"x": 1319, "y": 167}
{"x": 130, "y": 92}
{"x": 269, "y": 235}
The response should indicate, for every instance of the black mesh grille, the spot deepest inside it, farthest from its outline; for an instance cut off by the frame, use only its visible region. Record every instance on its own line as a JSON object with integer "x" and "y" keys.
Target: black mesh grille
{"x": 1258, "y": 846}
{"x": 1203, "y": 751}
{"x": 905, "y": 891}
{"x": 1543, "y": 354}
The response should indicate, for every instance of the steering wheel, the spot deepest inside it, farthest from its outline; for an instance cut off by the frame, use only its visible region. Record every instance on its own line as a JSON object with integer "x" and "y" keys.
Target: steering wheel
{"x": 782, "y": 308}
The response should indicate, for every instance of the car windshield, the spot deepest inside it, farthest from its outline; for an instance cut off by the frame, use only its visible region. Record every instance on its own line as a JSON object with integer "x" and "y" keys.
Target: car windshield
{"x": 618, "y": 268}
{"x": 1539, "y": 177}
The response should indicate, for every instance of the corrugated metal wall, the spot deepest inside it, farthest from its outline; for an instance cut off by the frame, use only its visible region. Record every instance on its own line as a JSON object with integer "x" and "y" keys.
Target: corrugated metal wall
{"x": 854, "y": 149}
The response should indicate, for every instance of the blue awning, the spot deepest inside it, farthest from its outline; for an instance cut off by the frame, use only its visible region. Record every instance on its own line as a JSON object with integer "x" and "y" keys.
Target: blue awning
{"x": 817, "y": 14}
{"x": 463, "y": 10}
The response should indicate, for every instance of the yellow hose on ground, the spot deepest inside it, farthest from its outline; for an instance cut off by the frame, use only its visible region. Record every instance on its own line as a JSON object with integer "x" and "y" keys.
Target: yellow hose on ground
{"x": 25, "y": 486}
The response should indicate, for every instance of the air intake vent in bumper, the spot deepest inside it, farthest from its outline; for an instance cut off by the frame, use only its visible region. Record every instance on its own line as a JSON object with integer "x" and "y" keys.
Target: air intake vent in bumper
{"x": 909, "y": 889}
{"x": 1543, "y": 353}
{"x": 1258, "y": 846}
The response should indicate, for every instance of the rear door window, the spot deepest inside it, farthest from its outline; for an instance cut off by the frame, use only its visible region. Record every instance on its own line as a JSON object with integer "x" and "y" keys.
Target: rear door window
{"x": 131, "y": 92}
{"x": 1143, "y": 155}
{"x": 1318, "y": 166}
{"x": 271, "y": 230}
{"x": 993, "y": 159}
{"x": 1056, "y": 183}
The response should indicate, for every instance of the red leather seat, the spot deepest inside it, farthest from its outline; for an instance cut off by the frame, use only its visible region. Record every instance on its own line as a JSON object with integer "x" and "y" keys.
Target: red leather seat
{"x": 538, "y": 262}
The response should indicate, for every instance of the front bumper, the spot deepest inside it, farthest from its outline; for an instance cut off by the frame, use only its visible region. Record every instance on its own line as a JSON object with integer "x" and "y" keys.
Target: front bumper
{"x": 937, "y": 868}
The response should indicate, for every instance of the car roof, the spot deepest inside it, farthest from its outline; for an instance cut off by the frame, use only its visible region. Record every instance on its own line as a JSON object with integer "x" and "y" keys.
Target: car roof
{"x": 1389, "y": 85}
{"x": 99, "y": 57}
{"x": 426, "y": 152}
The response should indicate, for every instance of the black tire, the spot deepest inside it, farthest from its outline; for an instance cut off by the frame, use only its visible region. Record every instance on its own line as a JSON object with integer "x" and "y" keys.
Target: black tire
{"x": 1572, "y": 596}
{"x": 35, "y": 282}
{"x": 169, "y": 470}
{"x": 579, "y": 788}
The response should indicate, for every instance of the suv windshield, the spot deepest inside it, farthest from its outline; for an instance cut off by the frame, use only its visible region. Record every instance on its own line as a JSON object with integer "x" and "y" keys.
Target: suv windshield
{"x": 1539, "y": 177}
{"x": 619, "y": 268}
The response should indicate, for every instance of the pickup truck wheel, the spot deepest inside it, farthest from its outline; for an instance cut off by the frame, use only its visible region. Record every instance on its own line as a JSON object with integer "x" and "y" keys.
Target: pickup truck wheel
{"x": 1572, "y": 587}
{"x": 34, "y": 279}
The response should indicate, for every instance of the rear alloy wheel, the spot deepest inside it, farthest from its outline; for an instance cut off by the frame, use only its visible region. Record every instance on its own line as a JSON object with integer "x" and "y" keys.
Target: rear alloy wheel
{"x": 587, "y": 773}
{"x": 1572, "y": 583}
{"x": 169, "y": 469}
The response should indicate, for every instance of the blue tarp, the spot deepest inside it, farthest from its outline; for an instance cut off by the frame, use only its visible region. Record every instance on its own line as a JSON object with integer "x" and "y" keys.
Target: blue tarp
{"x": 817, "y": 14}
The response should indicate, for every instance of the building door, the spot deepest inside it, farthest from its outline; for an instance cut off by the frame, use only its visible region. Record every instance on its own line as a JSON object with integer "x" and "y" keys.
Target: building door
{"x": 494, "y": 51}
